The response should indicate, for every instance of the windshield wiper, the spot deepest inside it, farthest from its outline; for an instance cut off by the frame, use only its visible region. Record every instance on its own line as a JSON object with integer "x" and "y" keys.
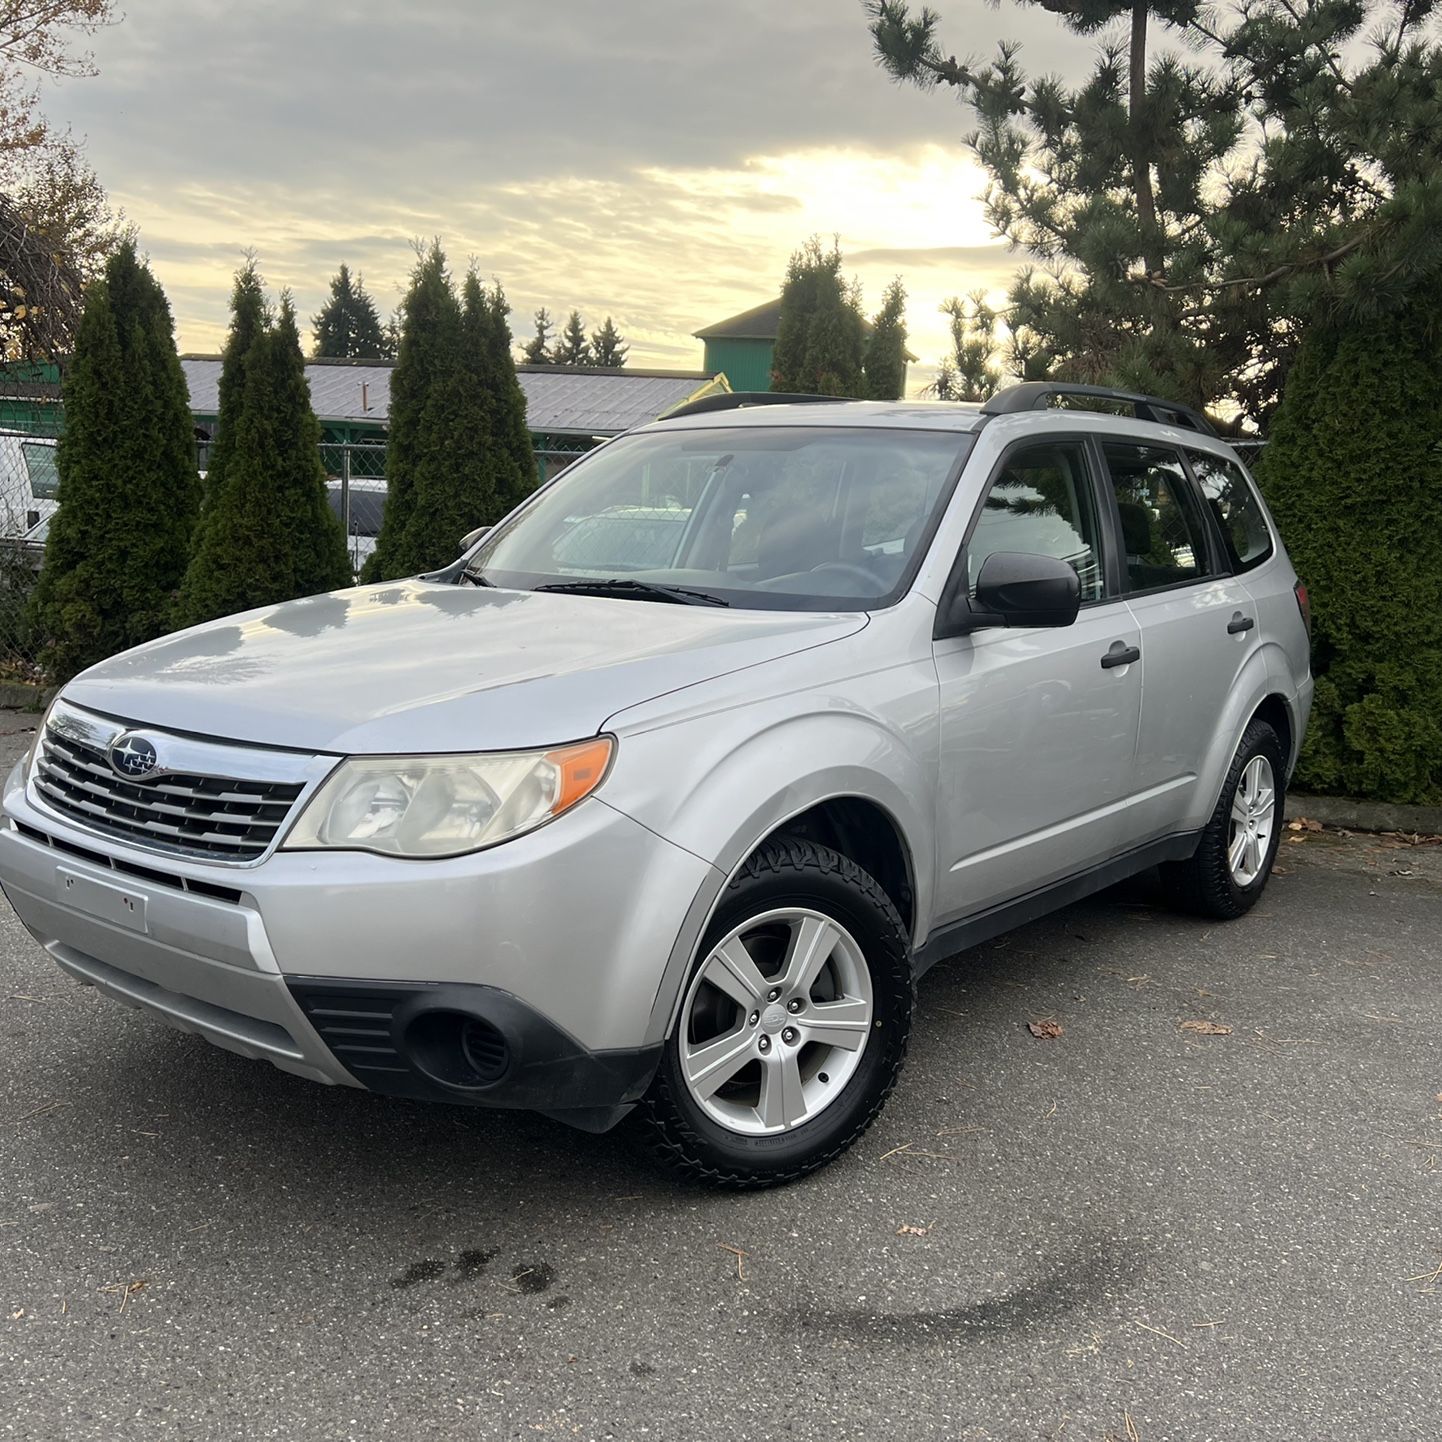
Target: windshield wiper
{"x": 473, "y": 575}
{"x": 642, "y": 590}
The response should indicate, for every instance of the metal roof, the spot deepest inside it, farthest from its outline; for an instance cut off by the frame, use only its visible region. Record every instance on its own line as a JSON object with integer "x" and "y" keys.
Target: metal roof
{"x": 761, "y": 322}
{"x": 560, "y": 400}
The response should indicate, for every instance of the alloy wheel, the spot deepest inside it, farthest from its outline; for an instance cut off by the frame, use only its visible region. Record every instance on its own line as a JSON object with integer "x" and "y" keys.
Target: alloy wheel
{"x": 775, "y": 1021}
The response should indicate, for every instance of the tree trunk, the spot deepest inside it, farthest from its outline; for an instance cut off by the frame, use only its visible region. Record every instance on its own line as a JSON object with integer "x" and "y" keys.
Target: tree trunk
{"x": 1153, "y": 251}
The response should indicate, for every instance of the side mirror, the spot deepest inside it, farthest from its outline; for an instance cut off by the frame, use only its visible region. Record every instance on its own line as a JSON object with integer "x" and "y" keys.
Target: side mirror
{"x": 471, "y": 538}
{"x": 1017, "y": 588}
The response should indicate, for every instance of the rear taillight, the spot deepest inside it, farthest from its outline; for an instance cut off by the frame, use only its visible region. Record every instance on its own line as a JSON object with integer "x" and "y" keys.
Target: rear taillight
{"x": 1304, "y": 606}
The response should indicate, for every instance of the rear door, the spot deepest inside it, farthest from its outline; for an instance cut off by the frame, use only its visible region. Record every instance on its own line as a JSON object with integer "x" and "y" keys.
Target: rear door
{"x": 1037, "y": 727}
{"x": 1198, "y": 626}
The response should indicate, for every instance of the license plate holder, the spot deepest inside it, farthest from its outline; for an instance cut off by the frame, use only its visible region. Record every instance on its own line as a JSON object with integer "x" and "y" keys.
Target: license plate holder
{"x": 118, "y": 905}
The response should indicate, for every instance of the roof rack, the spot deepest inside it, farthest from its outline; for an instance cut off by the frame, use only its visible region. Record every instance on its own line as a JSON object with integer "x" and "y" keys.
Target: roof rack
{"x": 735, "y": 400}
{"x": 1037, "y": 395}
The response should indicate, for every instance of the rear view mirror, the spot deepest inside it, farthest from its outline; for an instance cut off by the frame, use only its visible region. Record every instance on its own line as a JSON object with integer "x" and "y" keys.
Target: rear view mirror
{"x": 471, "y": 538}
{"x": 1017, "y": 588}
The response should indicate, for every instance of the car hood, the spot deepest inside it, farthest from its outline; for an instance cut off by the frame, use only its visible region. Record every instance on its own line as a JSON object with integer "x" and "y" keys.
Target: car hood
{"x": 420, "y": 666}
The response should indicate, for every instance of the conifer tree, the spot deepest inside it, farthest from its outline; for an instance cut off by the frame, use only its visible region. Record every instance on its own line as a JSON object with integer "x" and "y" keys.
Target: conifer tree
{"x": 608, "y": 349}
{"x": 820, "y": 336}
{"x": 349, "y": 325}
{"x": 886, "y": 347}
{"x": 428, "y": 361}
{"x": 1188, "y": 221}
{"x": 1353, "y": 473}
{"x": 455, "y": 484}
{"x": 129, "y": 491}
{"x": 537, "y": 350}
{"x": 516, "y": 477}
{"x": 573, "y": 349}
{"x": 269, "y": 532}
{"x": 249, "y": 318}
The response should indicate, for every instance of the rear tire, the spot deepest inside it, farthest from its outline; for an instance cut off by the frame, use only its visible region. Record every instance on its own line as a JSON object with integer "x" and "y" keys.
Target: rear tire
{"x": 793, "y": 1024}
{"x": 1227, "y": 873}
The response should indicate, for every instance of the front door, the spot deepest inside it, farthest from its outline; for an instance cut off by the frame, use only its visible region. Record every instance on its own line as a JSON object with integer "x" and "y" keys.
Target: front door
{"x": 1038, "y": 727}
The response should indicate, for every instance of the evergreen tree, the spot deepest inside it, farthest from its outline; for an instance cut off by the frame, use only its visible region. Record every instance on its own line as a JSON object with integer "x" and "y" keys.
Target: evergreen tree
{"x": 456, "y": 481}
{"x": 573, "y": 349}
{"x": 886, "y": 347}
{"x": 608, "y": 349}
{"x": 537, "y": 350}
{"x": 129, "y": 491}
{"x": 249, "y": 318}
{"x": 820, "y": 336}
{"x": 269, "y": 533}
{"x": 427, "y": 361}
{"x": 1353, "y": 473}
{"x": 516, "y": 475}
{"x": 349, "y": 325}
{"x": 1190, "y": 220}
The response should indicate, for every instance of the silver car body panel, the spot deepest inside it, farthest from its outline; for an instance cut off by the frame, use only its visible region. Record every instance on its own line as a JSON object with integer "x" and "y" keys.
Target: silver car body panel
{"x": 1004, "y": 760}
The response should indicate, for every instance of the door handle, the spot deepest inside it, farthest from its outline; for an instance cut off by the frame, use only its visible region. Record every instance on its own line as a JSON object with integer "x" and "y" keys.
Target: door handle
{"x": 1121, "y": 655}
{"x": 1239, "y": 623}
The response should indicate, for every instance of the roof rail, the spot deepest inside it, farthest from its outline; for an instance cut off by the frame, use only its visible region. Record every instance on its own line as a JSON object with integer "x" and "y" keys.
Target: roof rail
{"x": 1036, "y": 395}
{"x": 735, "y": 400}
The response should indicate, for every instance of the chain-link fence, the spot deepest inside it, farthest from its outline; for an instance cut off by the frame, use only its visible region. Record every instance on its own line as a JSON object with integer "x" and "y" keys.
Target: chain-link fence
{"x": 30, "y": 419}
{"x": 356, "y": 487}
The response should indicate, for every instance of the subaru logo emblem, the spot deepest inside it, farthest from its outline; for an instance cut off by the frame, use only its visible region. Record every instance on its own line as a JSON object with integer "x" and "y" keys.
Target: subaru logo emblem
{"x": 133, "y": 756}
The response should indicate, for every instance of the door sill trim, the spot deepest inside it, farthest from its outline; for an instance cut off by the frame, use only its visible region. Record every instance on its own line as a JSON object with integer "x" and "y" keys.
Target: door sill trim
{"x": 982, "y": 926}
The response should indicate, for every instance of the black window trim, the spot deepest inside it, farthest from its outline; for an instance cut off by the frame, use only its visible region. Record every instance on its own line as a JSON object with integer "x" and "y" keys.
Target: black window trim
{"x": 957, "y": 587}
{"x": 1218, "y": 565}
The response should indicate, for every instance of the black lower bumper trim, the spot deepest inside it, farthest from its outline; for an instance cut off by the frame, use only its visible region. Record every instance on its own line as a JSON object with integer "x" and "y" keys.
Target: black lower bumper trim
{"x": 423, "y": 1041}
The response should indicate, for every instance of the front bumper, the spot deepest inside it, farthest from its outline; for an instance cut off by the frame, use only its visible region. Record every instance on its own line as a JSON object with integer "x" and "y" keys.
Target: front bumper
{"x": 558, "y": 939}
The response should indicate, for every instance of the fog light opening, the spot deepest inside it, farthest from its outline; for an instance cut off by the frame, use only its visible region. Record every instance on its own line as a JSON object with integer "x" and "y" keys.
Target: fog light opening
{"x": 457, "y": 1051}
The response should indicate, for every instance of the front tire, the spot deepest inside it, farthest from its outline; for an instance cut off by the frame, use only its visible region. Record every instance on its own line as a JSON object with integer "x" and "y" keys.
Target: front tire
{"x": 1226, "y": 874}
{"x": 793, "y": 1024}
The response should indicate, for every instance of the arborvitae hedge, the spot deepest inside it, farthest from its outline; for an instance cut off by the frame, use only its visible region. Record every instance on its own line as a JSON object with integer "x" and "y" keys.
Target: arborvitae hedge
{"x": 1353, "y": 472}
{"x": 269, "y": 533}
{"x": 129, "y": 490}
{"x": 427, "y": 361}
{"x": 459, "y": 455}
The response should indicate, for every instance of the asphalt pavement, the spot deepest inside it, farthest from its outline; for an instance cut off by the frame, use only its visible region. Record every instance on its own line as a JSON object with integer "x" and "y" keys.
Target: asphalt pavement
{"x": 1211, "y": 1208}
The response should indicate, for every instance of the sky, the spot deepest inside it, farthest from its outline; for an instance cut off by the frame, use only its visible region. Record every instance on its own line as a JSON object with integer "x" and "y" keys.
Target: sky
{"x": 654, "y": 160}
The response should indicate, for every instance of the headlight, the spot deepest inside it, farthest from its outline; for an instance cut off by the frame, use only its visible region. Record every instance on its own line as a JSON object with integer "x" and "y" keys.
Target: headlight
{"x": 446, "y": 805}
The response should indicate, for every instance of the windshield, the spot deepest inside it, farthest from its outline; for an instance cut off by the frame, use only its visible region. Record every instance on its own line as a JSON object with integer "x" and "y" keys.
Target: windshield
{"x": 803, "y": 518}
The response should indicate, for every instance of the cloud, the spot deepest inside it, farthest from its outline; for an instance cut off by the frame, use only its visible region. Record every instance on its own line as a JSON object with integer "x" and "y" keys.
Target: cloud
{"x": 641, "y": 158}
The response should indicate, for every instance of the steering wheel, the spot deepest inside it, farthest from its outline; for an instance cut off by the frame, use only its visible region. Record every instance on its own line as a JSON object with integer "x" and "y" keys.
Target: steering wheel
{"x": 849, "y": 568}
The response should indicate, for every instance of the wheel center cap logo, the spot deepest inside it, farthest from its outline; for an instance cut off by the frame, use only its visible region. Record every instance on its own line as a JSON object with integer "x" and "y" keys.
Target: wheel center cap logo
{"x": 133, "y": 756}
{"x": 774, "y": 1017}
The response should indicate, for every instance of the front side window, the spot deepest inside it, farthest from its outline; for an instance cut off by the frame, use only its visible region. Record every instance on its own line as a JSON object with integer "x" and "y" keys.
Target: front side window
{"x": 1234, "y": 503}
{"x": 1162, "y": 532}
{"x": 792, "y": 518}
{"x": 1042, "y": 504}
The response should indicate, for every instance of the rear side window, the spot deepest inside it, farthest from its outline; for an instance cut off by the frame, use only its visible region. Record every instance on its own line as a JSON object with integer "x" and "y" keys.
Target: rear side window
{"x": 1163, "y": 534}
{"x": 1042, "y": 504}
{"x": 1232, "y": 500}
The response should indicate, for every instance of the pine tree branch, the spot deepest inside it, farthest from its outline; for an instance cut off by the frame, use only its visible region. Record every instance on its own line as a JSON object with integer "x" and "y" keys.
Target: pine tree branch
{"x": 1256, "y": 282}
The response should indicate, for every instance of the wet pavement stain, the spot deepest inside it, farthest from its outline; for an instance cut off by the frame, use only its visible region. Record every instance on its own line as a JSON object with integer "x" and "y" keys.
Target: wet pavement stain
{"x": 532, "y": 1277}
{"x": 426, "y": 1271}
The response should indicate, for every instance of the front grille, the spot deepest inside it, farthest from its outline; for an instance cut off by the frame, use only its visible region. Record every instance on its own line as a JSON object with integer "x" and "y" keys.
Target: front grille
{"x": 217, "y": 818}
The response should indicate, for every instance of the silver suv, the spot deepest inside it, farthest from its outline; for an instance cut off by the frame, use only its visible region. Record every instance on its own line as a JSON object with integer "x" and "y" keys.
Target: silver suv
{"x": 666, "y": 792}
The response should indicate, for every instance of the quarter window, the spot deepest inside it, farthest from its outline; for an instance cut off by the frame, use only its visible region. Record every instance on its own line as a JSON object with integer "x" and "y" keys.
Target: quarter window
{"x": 1232, "y": 500}
{"x": 1042, "y": 504}
{"x": 1163, "y": 536}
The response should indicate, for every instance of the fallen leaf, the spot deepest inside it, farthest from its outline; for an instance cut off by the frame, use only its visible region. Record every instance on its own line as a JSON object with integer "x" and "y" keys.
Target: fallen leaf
{"x": 1047, "y": 1030}
{"x": 1206, "y": 1028}
{"x": 907, "y": 1230}
{"x": 1304, "y": 823}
